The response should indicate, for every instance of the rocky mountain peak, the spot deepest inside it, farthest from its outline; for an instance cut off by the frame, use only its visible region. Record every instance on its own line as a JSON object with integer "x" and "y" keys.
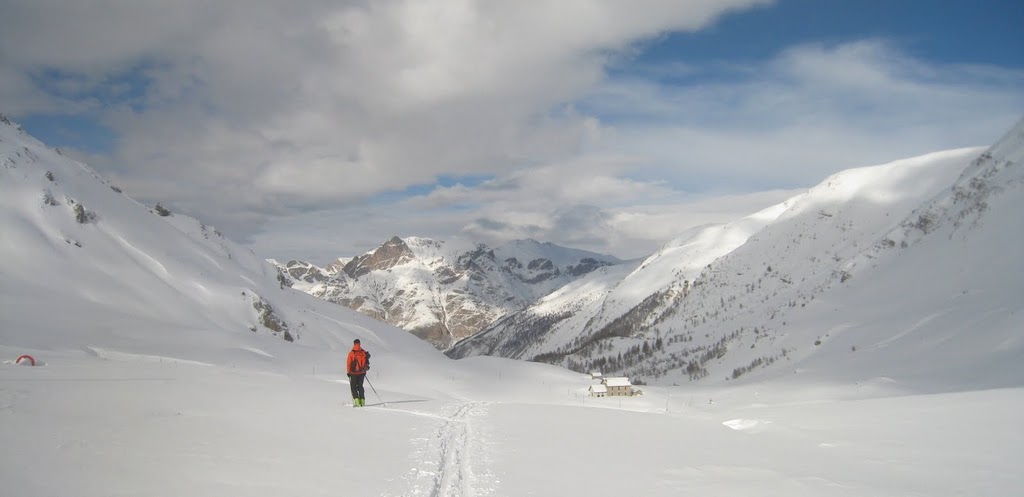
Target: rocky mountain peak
{"x": 444, "y": 294}
{"x": 390, "y": 254}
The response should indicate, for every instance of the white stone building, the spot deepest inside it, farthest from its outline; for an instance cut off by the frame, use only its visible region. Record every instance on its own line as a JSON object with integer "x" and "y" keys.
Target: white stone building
{"x": 618, "y": 386}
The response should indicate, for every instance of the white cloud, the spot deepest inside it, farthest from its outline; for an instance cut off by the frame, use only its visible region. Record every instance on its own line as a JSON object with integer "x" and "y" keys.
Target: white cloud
{"x": 391, "y": 92}
{"x": 627, "y": 231}
{"x": 246, "y": 113}
{"x": 784, "y": 123}
{"x": 809, "y": 112}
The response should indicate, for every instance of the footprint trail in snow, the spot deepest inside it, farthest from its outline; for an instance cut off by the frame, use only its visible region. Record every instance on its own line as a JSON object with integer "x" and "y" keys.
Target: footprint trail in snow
{"x": 452, "y": 462}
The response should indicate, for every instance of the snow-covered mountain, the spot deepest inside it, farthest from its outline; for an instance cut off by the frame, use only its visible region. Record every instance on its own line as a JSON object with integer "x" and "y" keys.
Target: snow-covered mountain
{"x": 164, "y": 366}
{"x": 913, "y": 257}
{"x": 444, "y": 293}
{"x": 74, "y": 245}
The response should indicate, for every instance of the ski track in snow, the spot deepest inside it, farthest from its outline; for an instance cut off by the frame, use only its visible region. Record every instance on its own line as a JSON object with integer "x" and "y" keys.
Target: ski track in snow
{"x": 455, "y": 475}
{"x": 452, "y": 461}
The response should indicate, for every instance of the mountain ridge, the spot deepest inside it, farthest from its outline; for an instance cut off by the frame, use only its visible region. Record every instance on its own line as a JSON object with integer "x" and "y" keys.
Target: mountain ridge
{"x": 911, "y": 258}
{"x": 439, "y": 292}
{"x": 726, "y": 308}
{"x": 105, "y": 254}
{"x": 150, "y": 353}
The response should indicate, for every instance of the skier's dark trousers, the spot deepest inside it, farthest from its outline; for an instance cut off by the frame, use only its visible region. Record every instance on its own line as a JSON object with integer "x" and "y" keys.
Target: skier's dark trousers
{"x": 356, "y": 382}
{"x": 358, "y": 365}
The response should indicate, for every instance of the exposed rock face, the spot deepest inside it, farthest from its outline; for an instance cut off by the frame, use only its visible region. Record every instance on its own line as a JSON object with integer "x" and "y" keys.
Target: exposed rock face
{"x": 440, "y": 294}
{"x": 304, "y": 271}
{"x": 585, "y": 266}
{"x": 387, "y": 256}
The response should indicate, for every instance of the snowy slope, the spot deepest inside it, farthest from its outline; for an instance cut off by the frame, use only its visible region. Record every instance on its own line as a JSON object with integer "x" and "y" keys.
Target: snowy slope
{"x": 562, "y": 319}
{"x": 149, "y": 381}
{"x": 724, "y": 301}
{"x": 148, "y": 283}
{"x": 944, "y": 285}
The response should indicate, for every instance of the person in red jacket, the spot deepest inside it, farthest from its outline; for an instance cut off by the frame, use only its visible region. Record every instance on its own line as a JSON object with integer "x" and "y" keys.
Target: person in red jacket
{"x": 358, "y": 365}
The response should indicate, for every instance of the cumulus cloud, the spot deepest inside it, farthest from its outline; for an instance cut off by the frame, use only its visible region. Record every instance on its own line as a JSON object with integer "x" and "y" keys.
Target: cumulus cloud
{"x": 283, "y": 106}
{"x": 288, "y": 124}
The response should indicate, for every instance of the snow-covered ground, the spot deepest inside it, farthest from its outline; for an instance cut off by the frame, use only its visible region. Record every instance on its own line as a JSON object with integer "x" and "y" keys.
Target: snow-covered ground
{"x": 101, "y": 424}
{"x": 159, "y": 373}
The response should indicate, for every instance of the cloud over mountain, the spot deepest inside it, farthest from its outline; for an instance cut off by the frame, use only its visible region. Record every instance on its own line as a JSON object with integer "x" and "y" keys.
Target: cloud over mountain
{"x": 259, "y": 116}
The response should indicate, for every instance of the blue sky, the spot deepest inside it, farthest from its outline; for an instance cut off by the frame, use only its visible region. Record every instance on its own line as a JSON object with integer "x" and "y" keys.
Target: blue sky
{"x": 321, "y": 130}
{"x": 947, "y": 31}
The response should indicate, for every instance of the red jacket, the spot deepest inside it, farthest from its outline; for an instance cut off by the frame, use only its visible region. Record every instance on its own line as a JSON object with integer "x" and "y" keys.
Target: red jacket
{"x": 358, "y": 360}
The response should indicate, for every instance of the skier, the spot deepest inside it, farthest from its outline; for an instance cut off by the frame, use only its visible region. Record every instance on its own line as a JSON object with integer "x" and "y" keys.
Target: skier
{"x": 358, "y": 365}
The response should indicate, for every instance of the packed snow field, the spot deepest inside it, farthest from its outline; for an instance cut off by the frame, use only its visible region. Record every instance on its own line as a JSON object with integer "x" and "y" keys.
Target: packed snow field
{"x": 172, "y": 362}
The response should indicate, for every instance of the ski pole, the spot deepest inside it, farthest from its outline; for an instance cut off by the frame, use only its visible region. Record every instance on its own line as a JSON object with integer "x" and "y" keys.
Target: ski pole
{"x": 374, "y": 390}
